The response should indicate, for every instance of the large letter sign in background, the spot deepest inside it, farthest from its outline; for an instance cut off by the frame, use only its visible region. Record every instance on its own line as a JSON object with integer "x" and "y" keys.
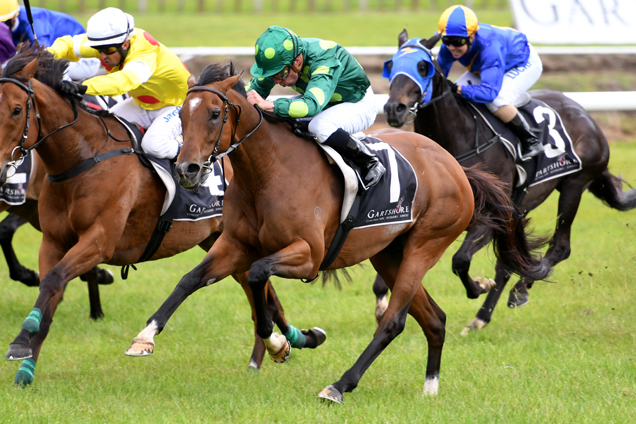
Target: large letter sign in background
{"x": 576, "y": 21}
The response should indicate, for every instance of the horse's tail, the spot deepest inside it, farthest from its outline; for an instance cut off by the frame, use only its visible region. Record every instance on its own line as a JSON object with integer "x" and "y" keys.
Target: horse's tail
{"x": 609, "y": 189}
{"x": 494, "y": 210}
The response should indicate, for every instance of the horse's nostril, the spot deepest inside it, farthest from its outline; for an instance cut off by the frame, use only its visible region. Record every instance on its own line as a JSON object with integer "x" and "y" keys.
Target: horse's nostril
{"x": 193, "y": 168}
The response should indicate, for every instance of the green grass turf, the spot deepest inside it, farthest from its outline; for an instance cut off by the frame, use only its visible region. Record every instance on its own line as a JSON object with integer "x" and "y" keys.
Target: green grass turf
{"x": 568, "y": 356}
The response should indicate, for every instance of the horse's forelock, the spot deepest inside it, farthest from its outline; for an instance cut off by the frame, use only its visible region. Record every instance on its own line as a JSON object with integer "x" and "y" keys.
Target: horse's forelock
{"x": 219, "y": 72}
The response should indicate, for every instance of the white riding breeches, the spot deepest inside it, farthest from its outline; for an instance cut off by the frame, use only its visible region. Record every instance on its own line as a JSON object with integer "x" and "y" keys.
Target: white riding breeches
{"x": 516, "y": 81}
{"x": 351, "y": 117}
{"x": 163, "y": 127}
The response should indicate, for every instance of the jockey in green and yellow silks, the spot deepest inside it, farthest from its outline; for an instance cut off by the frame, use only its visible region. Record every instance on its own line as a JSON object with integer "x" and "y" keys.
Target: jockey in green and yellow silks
{"x": 335, "y": 92}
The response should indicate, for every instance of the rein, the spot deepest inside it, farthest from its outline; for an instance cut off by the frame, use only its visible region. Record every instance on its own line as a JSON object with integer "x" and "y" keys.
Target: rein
{"x": 31, "y": 101}
{"x": 207, "y": 165}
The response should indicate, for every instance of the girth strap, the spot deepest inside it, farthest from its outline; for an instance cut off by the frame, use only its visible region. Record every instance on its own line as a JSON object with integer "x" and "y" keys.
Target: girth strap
{"x": 88, "y": 164}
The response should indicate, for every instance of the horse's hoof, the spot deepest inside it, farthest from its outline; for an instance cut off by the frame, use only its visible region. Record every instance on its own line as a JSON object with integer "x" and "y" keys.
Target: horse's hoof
{"x": 140, "y": 348}
{"x": 106, "y": 277}
{"x": 518, "y": 298}
{"x": 486, "y": 284}
{"x": 315, "y": 337}
{"x": 18, "y": 352}
{"x": 283, "y": 354}
{"x": 252, "y": 370}
{"x": 473, "y": 326}
{"x": 330, "y": 393}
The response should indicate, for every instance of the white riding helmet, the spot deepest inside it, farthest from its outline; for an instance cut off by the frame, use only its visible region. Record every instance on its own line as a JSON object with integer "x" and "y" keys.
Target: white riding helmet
{"x": 109, "y": 27}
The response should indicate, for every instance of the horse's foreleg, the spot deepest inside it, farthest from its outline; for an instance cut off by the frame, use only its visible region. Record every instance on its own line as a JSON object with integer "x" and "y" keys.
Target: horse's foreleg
{"x": 221, "y": 261}
{"x": 292, "y": 261}
{"x": 476, "y": 238}
{"x": 17, "y": 271}
{"x": 484, "y": 315}
{"x": 94, "y": 278}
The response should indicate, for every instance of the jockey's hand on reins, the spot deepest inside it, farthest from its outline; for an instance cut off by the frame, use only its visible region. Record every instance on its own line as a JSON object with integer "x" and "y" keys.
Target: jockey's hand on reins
{"x": 74, "y": 89}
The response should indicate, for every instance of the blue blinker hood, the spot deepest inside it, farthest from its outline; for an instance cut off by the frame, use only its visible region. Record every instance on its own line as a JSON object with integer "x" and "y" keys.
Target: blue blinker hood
{"x": 405, "y": 63}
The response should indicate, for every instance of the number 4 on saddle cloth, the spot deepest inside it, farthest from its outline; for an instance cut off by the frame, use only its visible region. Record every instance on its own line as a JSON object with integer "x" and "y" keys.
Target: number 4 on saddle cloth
{"x": 558, "y": 158}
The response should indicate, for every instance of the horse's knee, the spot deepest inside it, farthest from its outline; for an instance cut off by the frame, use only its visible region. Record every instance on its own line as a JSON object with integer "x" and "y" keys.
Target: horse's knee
{"x": 260, "y": 271}
{"x": 460, "y": 263}
{"x": 380, "y": 289}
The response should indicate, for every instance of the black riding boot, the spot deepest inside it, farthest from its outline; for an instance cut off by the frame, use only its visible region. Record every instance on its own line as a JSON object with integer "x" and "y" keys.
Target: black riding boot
{"x": 530, "y": 144}
{"x": 358, "y": 153}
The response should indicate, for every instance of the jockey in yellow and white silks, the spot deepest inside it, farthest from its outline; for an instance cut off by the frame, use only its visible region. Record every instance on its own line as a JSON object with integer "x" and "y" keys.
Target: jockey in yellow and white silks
{"x": 137, "y": 64}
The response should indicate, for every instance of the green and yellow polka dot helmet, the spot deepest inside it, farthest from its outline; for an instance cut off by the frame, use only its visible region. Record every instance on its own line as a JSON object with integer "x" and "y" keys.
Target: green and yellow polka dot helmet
{"x": 276, "y": 48}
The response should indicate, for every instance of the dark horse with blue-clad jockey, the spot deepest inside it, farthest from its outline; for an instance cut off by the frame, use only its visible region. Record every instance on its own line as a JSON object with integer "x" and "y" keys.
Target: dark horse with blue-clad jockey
{"x": 448, "y": 120}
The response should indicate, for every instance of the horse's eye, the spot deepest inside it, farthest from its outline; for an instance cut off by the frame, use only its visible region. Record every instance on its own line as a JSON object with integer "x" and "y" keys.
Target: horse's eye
{"x": 390, "y": 66}
{"x": 17, "y": 110}
{"x": 422, "y": 69}
{"x": 215, "y": 114}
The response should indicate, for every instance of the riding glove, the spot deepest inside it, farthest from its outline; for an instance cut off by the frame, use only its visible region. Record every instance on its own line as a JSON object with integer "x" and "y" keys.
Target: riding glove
{"x": 72, "y": 88}
{"x": 452, "y": 85}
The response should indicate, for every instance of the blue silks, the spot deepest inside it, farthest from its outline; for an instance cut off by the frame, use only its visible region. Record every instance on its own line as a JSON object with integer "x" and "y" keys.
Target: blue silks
{"x": 405, "y": 63}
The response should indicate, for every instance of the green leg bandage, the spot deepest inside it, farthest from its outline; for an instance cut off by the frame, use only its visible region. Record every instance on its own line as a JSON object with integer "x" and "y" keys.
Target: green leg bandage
{"x": 32, "y": 322}
{"x": 26, "y": 373}
{"x": 295, "y": 337}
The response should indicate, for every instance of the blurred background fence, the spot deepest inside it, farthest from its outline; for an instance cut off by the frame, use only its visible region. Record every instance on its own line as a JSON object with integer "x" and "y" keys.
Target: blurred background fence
{"x": 260, "y": 6}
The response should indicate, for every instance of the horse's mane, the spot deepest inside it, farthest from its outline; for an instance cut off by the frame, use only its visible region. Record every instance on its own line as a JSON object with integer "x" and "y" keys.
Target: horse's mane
{"x": 218, "y": 72}
{"x": 50, "y": 71}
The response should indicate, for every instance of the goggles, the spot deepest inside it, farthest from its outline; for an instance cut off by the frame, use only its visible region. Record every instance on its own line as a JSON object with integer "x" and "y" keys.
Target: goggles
{"x": 107, "y": 50}
{"x": 455, "y": 41}
{"x": 282, "y": 74}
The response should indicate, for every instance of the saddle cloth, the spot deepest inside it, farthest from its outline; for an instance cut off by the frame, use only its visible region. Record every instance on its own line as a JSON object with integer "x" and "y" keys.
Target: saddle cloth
{"x": 205, "y": 203}
{"x": 388, "y": 202}
{"x": 558, "y": 158}
{"x": 13, "y": 192}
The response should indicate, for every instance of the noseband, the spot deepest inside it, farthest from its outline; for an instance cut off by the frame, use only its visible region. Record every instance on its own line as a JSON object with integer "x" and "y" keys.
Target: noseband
{"x": 214, "y": 157}
{"x": 31, "y": 101}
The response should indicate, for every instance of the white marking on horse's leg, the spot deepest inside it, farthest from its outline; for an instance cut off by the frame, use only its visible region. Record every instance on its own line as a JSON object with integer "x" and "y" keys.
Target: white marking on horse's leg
{"x": 381, "y": 305}
{"x": 430, "y": 386}
{"x": 486, "y": 283}
{"x": 144, "y": 344}
{"x": 476, "y": 324}
{"x": 278, "y": 347}
{"x": 253, "y": 364}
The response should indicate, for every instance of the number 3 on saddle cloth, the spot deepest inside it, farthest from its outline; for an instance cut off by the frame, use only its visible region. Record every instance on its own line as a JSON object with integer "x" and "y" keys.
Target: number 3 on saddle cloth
{"x": 558, "y": 158}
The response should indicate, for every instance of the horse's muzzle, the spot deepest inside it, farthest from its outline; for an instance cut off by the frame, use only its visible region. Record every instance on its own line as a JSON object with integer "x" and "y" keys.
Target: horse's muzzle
{"x": 396, "y": 113}
{"x": 189, "y": 174}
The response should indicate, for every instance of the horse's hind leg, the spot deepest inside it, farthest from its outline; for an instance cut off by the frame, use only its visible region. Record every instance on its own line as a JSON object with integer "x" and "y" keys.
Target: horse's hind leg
{"x": 476, "y": 238}
{"x": 484, "y": 315}
{"x": 559, "y": 248}
{"x": 380, "y": 289}
{"x": 17, "y": 271}
{"x": 94, "y": 278}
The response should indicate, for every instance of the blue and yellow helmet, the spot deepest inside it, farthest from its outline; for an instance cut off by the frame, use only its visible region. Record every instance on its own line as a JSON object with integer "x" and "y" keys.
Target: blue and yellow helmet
{"x": 458, "y": 21}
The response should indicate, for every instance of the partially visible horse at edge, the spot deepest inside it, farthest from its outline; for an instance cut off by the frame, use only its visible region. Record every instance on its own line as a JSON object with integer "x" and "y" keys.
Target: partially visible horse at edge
{"x": 106, "y": 214}
{"x": 447, "y": 120}
{"x": 283, "y": 208}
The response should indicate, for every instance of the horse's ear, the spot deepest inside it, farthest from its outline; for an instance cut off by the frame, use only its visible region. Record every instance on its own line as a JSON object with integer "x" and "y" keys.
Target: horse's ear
{"x": 403, "y": 38}
{"x": 430, "y": 43}
{"x": 230, "y": 82}
{"x": 29, "y": 71}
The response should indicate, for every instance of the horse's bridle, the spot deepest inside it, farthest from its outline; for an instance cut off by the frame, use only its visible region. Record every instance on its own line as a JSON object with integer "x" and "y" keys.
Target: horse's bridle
{"x": 31, "y": 101}
{"x": 207, "y": 165}
{"x": 420, "y": 104}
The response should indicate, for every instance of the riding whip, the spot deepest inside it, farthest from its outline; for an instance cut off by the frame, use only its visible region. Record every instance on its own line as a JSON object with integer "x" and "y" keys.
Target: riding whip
{"x": 27, "y": 6}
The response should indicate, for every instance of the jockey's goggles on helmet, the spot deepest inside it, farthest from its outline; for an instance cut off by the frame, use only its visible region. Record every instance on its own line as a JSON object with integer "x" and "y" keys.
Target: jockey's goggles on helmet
{"x": 282, "y": 74}
{"x": 455, "y": 41}
{"x": 108, "y": 50}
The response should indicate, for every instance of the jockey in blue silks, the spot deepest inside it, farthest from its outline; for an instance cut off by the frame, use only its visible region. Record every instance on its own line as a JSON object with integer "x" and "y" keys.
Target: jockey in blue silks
{"x": 501, "y": 66}
{"x": 48, "y": 25}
